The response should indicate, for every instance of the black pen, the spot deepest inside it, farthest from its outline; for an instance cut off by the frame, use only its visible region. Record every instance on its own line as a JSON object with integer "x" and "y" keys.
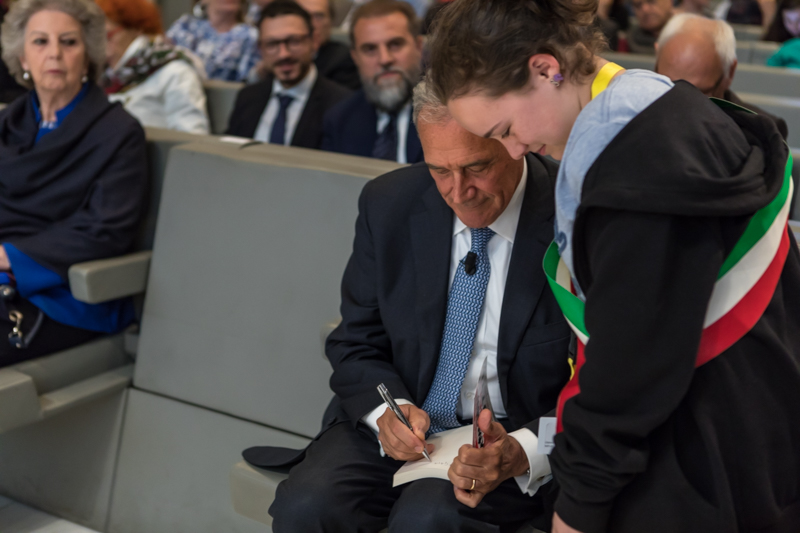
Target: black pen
{"x": 384, "y": 392}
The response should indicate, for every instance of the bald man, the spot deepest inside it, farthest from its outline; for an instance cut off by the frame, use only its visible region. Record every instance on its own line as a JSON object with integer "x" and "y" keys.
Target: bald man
{"x": 688, "y": 50}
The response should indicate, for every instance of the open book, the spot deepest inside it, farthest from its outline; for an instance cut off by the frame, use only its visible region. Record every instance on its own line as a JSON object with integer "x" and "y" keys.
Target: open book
{"x": 446, "y": 445}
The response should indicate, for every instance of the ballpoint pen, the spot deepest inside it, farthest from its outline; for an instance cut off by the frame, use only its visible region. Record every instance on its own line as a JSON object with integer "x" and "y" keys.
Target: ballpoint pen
{"x": 387, "y": 397}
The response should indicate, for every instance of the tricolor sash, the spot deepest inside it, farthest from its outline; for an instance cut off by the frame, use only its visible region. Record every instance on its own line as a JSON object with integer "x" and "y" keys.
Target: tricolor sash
{"x": 745, "y": 284}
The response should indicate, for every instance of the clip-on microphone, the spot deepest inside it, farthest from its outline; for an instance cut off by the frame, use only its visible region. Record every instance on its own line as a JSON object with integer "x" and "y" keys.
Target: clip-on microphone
{"x": 470, "y": 262}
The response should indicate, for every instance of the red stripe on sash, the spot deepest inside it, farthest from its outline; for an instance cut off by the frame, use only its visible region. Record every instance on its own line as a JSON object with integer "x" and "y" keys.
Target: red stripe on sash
{"x": 717, "y": 337}
{"x": 735, "y": 324}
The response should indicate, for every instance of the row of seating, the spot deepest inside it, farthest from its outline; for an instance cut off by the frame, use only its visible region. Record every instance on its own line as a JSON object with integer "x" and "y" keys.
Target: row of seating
{"x": 772, "y": 89}
{"x": 249, "y": 245}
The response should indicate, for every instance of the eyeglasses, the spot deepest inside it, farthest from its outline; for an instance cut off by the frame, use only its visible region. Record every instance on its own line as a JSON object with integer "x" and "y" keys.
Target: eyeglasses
{"x": 293, "y": 43}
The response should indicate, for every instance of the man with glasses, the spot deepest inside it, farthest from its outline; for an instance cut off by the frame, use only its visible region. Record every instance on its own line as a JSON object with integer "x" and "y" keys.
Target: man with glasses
{"x": 288, "y": 106}
{"x": 703, "y": 52}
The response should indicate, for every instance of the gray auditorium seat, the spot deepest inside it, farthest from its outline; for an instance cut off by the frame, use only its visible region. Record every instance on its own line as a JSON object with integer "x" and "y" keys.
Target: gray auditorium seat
{"x": 749, "y": 78}
{"x": 761, "y": 51}
{"x": 760, "y": 79}
{"x": 747, "y": 32}
{"x": 220, "y": 98}
{"x": 794, "y": 225}
{"x": 784, "y": 107}
{"x": 249, "y": 251}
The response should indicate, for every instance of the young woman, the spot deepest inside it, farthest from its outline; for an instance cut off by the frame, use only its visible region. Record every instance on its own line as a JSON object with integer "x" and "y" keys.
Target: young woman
{"x": 683, "y": 414}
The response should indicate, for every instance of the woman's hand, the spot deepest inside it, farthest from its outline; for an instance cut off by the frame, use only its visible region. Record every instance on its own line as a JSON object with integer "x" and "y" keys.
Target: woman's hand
{"x": 560, "y": 527}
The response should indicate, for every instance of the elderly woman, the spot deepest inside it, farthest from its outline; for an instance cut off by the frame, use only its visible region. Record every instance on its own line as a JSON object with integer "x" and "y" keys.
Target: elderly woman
{"x": 72, "y": 178}
{"x": 216, "y": 32}
{"x": 155, "y": 81}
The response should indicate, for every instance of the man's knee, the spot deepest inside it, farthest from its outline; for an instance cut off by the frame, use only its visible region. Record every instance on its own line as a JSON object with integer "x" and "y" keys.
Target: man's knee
{"x": 426, "y": 505}
{"x": 304, "y": 505}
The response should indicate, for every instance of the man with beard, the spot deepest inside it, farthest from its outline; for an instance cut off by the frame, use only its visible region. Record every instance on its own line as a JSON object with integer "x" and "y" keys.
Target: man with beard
{"x": 288, "y": 106}
{"x": 376, "y": 120}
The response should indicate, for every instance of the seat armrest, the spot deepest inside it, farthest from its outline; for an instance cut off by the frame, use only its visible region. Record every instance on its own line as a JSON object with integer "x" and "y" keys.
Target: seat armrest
{"x": 108, "y": 279}
{"x": 253, "y": 490}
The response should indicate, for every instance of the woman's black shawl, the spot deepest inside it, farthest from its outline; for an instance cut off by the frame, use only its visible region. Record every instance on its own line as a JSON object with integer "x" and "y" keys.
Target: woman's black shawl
{"x": 79, "y": 193}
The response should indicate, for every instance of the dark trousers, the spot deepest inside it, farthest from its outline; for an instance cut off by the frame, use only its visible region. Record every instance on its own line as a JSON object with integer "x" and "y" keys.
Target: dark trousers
{"x": 344, "y": 485}
{"x": 51, "y": 337}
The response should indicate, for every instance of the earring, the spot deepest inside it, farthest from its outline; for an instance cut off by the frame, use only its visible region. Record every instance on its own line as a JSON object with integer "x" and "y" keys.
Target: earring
{"x": 85, "y": 78}
{"x": 26, "y": 75}
{"x": 557, "y": 79}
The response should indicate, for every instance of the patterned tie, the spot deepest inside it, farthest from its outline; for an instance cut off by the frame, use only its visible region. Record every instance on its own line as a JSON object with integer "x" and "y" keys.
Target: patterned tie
{"x": 278, "y": 133}
{"x": 463, "y": 312}
{"x": 385, "y": 146}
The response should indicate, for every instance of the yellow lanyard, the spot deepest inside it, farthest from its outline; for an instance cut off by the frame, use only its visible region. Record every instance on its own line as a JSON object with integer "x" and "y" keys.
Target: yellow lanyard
{"x": 603, "y": 78}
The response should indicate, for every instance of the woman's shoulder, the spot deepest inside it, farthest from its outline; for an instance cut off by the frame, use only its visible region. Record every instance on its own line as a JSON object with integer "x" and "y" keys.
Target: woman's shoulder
{"x": 630, "y": 93}
{"x": 186, "y": 27}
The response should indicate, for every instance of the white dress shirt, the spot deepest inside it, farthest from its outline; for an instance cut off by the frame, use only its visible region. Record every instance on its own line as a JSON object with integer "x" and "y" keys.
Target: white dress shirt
{"x": 499, "y": 251}
{"x": 171, "y": 98}
{"x": 403, "y": 118}
{"x": 300, "y": 93}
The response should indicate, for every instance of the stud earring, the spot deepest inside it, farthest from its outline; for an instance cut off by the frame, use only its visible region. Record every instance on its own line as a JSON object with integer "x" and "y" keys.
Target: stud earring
{"x": 557, "y": 79}
{"x": 26, "y": 75}
{"x": 85, "y": 78}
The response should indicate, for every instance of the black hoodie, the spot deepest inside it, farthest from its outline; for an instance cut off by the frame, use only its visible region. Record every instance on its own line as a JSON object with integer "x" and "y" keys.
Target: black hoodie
{"x": 652, "y": 444}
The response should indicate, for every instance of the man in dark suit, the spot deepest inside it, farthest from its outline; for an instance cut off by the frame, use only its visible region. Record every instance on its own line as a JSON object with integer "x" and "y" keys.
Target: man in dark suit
{"x": 333, "y": 58}
{"x": 703, "y": 52}
{"x": 376, "y": 120}
{"x": 287, "y": 107}
{"x": 423, "y": 318}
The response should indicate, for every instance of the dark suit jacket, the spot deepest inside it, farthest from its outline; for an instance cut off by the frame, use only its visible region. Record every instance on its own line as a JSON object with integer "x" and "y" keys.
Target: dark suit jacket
{"x": 350, "y": 127}
{"x": 334, "y": 62}
{"x": 779, "y": 122}
{"x": 394, "y": 301}
{"x": 253, "y": 99}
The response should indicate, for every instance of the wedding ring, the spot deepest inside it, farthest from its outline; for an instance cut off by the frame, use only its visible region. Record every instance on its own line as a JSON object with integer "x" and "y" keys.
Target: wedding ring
{"x": 473, "y": 485}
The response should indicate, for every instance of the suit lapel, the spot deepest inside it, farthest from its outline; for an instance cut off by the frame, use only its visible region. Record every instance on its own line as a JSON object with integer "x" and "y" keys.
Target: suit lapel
{"x": 525, "y": 280}
{"x": 362, "y": 125}
{"x": 256, "y": 108}
{"x": 431, "y": 240}
{"x": 413, "y": 145}
{"x": 309, "y": 126}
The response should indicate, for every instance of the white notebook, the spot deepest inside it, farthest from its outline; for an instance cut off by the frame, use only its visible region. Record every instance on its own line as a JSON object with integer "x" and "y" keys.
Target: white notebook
{"x": 447, "y": 444}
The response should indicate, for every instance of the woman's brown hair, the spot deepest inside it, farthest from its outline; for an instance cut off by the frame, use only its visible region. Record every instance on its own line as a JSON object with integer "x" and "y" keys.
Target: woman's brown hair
{"x": 484, "y": 45}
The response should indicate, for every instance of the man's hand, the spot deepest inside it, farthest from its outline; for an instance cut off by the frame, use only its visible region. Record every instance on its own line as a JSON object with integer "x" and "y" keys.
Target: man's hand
{"x": 560, "y": 527}
{"x": 397, "y": 440}
{"x": 501, "y": 458}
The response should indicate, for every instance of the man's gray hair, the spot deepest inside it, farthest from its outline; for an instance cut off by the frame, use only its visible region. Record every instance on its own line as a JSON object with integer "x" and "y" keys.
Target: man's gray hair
{"x": 427, "y": 107}
{"x": 724, "y": 38}
{"x": 86, "y": 12}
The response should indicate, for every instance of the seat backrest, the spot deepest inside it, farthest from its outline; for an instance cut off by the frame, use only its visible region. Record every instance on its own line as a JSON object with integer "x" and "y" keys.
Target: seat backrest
{"x": 763, "y": 51}
{"x": 642, "y": 61}
{"x": 786, "y": 108}
{"x": 220, "y": 98}
{"x": 744, "y": 51}
{"x": 747, "y": 32}
{"x": 250, "y": 248}
{"x": 760, "y": 79}
{"x": 159, "y": 143}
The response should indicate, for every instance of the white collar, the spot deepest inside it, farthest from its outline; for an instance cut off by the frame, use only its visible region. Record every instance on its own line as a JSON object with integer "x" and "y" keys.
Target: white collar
{"x": 506, "y": 224}
{"x": 137, "y": 44}
{"x": 299, "y": 91}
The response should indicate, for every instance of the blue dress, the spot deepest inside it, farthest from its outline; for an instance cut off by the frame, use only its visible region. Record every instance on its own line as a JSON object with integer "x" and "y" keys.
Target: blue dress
{"x": 227, "y": 56}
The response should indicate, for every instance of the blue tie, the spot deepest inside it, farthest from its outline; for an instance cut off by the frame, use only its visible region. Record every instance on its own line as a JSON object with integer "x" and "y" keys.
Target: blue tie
{"x": 463, "y": 312}
{"x": 278, "y": 132}
{"x": 385, "y": 146}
